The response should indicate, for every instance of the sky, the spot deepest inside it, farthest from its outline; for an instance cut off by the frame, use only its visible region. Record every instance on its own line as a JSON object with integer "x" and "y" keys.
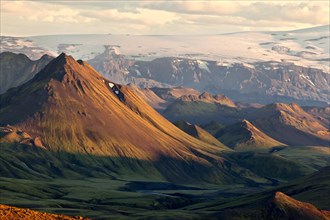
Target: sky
{"x": 30, "y": 18}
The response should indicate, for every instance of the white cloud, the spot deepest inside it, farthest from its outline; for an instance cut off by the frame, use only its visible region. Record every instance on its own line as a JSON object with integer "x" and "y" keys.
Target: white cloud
{"x": 158, "y": 17}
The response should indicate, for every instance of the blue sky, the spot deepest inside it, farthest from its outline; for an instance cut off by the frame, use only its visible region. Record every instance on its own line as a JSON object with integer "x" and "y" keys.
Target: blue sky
{"x": 27, "y": 18}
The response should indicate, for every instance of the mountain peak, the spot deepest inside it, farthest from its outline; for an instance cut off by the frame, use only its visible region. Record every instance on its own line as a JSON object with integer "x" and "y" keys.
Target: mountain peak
{"x": 207, "y": 96}
{"x": 245, "y": 136}
{"x": 65, "y": 68}
{"x": 246, "y": 123}
{"x": 64, "y": 58}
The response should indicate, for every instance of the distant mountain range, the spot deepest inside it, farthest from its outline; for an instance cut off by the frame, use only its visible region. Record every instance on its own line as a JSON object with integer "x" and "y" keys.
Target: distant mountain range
{"x": 262, "y": 67}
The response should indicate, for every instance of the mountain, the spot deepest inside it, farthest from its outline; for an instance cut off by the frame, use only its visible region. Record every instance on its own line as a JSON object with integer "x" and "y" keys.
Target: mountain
{"x": 284, "y": 66}
{"x": 11, "y": 213}
{"x": 261, "y": 82}
{"x": 17, "y": 69}
{"x": 198, "y": 133}
{"x": 76, "y": 111}
{"x": 111, "y": 64}
{"x": 290, "y": 124}
{"x": 245, "y": 136}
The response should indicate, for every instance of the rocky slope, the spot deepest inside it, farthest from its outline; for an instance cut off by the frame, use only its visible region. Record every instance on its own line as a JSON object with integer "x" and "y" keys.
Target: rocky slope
{"x": 14, "y": 213}
{"x": 263, "y": 82}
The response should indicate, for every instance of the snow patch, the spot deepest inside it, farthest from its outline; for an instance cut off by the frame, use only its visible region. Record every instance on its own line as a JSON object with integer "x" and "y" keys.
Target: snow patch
{"x": 111, "y": 85}
{"x": 203, "y": 65}
{"x": 306, "y": 78}
{"x": 138, "y": 72}
{"x": 248, "y": 65}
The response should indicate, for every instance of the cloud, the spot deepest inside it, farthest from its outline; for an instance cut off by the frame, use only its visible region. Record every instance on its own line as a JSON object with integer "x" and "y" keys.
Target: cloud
{"x": 297, "y": 12}
{"x": 196, "y": 7}
{"x": 36, "y": 12}
{"x": 158, "y": 17}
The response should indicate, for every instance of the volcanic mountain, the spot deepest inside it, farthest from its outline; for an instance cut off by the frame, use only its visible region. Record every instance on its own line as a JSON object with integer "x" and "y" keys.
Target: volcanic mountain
{"x": 245, "y": 136}
{"x": 75, "y": 110}
{"x": 290, "y": 124}
{"x": 198, "y": 133}
{"x": 17, "y": 69}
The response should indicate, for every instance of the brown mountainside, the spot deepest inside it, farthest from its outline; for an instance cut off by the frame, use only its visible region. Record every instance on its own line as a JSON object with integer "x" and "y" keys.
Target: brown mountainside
{"x": 290, "y": 124}
{"x": 245, "y": 136}
{"x": 74, "y": 109}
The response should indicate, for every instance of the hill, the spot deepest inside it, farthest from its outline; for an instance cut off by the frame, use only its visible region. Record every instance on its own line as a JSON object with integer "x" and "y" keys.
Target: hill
{"x": 245, "y": 136}
{"x": 290, "y": 124}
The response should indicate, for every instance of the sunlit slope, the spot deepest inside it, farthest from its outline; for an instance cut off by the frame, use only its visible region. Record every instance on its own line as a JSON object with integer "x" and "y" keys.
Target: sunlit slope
{"x": 245, "y": 136}
{"x": 290, "y": 124}
{"x": 75, "y": 110}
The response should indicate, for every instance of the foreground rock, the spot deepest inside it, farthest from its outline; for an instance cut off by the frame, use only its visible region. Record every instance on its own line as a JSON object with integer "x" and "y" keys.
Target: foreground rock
{"x": 13, "y": 213}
